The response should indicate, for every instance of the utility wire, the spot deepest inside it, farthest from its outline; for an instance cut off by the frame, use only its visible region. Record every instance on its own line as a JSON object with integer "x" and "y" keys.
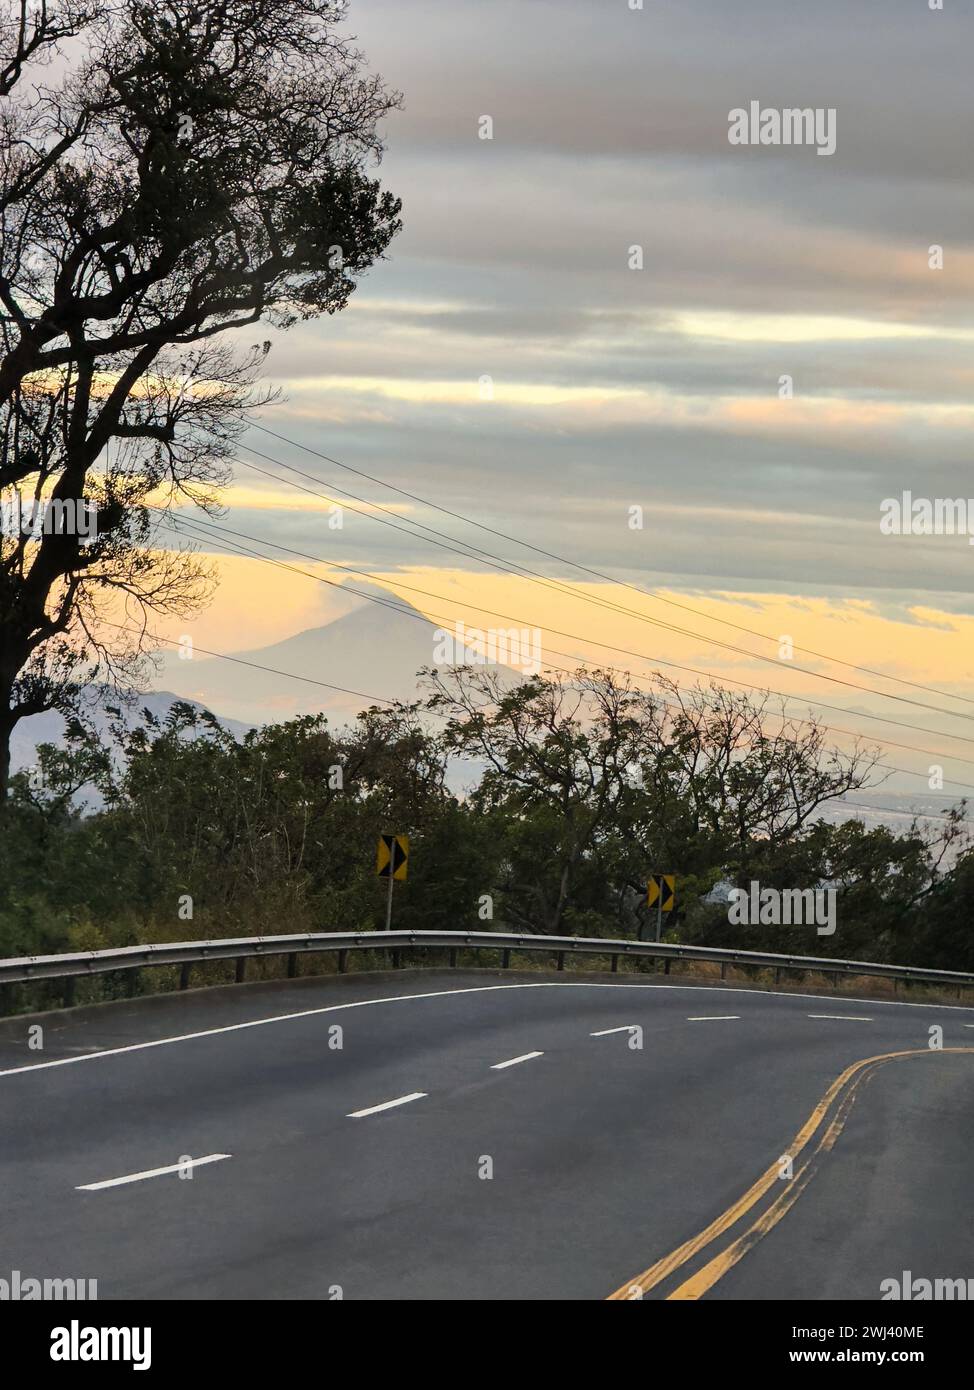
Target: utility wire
{"x": 599, "y": 574}
{"x": 222, "y": 532}
{"x": 411, "y": 613}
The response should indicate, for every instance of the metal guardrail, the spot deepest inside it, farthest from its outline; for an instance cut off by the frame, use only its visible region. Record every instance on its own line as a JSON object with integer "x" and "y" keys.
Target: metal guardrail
{"x": 241, "y": 949}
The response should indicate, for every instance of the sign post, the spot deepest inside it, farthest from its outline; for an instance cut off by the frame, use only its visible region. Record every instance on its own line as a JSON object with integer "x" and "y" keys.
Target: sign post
{"x": 661, "y": 891}
{"x": 391, "y": 862}
{"x": 389, "y": 905}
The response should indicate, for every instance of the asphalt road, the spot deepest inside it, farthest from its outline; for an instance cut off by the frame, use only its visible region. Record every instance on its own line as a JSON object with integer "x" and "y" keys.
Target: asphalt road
{"x": 609, "y": 1161}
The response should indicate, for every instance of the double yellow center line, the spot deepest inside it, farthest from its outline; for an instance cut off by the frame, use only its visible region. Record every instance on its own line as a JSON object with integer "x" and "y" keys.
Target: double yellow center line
{"x": 840, "y": 1095}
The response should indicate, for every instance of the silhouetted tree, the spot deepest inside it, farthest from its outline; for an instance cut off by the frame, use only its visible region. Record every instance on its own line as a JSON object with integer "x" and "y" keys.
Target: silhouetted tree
{"x": 186, "y": 168}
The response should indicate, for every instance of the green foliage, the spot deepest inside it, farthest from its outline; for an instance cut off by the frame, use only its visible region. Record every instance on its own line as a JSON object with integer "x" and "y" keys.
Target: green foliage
{"x": 203, "y": 835}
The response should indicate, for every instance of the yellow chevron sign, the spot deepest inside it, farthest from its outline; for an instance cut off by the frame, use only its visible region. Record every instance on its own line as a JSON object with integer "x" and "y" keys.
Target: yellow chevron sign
{"x": 661, "y": 885}
{"x": 392, "y": 856}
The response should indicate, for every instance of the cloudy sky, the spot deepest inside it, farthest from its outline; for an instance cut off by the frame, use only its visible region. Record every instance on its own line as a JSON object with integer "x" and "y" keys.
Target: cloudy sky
{"x": 615, "y": 387}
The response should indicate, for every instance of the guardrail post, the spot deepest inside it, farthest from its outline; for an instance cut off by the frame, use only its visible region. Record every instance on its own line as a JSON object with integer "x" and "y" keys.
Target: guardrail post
{"x": 132, "y": 964}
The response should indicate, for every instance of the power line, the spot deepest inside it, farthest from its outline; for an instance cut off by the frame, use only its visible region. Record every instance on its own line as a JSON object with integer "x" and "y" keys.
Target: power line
{"x": 908, "y": 772}
{"x": 575, "y": 637}
{"x": 587, "y": 598}
{"x": 892, "y": 811}
{"x": 257, "y": 666}
{"x": 379, "y": 699}
{"x": 598, "y": 574}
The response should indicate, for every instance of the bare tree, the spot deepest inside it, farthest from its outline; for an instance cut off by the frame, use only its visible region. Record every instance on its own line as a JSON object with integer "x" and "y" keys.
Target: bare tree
{"x": 560, "y": 757}
{"x": 598, "y": 783}
{"x": 741, "y": 780}
{"x": 187, "y": 168}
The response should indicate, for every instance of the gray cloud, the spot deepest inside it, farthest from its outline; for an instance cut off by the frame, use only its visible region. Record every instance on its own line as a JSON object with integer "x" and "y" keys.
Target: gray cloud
{"x": 610, "y": 129}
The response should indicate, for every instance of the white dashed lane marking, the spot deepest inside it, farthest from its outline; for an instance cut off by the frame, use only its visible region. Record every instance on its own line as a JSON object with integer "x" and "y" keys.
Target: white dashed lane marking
{"x": 152, "y": 1173}
{"x": 386, "y": 1105}
{"x": 513, "y": 1061}
{"x": 846, "y": 1018}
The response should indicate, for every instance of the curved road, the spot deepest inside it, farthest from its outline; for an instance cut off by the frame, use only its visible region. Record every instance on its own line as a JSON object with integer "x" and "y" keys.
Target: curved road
{"x": 615, "y": 1169}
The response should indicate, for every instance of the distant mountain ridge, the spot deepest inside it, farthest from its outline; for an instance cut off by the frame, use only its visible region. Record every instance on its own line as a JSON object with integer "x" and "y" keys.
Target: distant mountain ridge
{"x": 367, "y": 655}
